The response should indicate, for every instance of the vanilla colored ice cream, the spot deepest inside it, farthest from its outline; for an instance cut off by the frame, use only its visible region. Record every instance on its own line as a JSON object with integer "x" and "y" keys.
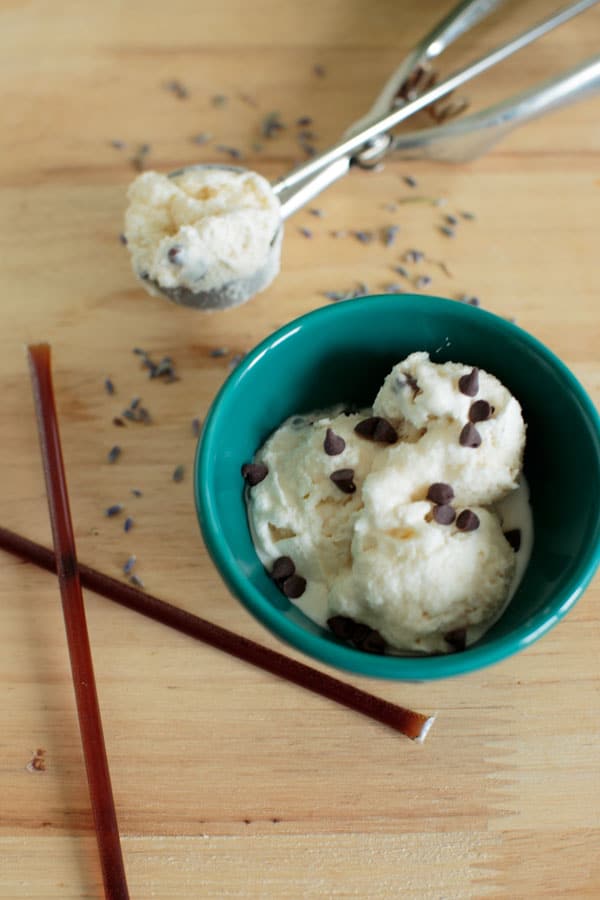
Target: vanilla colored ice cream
{"x": 209, "y": 230}
{"x": 388, "y": 524}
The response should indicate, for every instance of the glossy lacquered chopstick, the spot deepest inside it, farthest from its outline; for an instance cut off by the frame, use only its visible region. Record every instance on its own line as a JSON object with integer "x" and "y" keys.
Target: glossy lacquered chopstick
{"x": 414, "y": 725}
{"x": 88, "y": 710}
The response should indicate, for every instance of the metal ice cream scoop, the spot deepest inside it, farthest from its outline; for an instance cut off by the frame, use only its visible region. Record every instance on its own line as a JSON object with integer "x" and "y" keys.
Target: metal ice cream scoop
{"x": 411, "y": 88}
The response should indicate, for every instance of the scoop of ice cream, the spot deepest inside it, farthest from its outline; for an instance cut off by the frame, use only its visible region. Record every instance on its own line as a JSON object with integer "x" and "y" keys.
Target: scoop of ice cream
{"x": 203, "y": 230}
{"x": 471, "y": 434}
{"x": 305, "y": 508}
{"x": 416, "y": 580}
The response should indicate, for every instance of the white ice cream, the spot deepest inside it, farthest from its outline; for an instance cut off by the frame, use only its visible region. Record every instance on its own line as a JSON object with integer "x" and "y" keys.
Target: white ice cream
{"x": 378, "y": 555}
{"x": 206, "y": 230}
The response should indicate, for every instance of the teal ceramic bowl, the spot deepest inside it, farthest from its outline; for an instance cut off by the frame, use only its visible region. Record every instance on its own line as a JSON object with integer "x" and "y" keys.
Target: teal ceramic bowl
{"x": 341, "y": 353}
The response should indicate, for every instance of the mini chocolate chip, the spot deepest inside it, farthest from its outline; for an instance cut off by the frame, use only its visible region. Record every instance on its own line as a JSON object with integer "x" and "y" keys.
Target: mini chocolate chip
{"x": 444, "y": 515}
{"x": 457, "y": 638}
{"x": 342, "y": 627}
{"x": 175, "y": 255}
{"x": 283, "y": 567}
{"x": 254, "y": 473}
{"x": 333, "y": 443}
{"x": 514, "y": 538}
{"x": 467, "y": 520}
{"x": 469, "y": 384}
{"x": 373, "y": 643}
{"x": 377, "y": 429}
{"x": 480, "y": 411}
{"x": 440, "y": 493}
{"x": 469, "y": 436}
{"x": 294, "y": 586}
{"x": 344, "y": 480}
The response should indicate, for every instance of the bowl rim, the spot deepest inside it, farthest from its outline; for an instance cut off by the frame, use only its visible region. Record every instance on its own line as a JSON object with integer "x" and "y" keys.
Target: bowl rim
{"x": 329, "y": 651}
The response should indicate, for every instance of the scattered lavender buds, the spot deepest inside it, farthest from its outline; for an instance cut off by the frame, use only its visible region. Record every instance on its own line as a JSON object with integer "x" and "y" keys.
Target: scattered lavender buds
{"x": 109, "y": 386}
{"x": 422, "y": 281}
{"x": 219, "y": 100}
{"x": 365, "y": 237}
{"x": 316, "y": 211}
{"x": 448, "y": 231}
{"x": 411, "y": 181}
{"x": 451, "y": 220}
{"x": 217, "y": 352}
{"x": 128, "y": 524}
{"x": 400, "y": 270}
{"x": 117, "y": 144}
{"x": 303, "y": 121}
{"x": 203, "y": 137}
{"x": 177, "y": 88}
{"x": 113, "y": 510}
{"x": 196, "y": 426}
{"x": 123, "y": 239}
{"x": 118, "y": 421}
{"x": 271, "y": 125}
{"x": 164, "y": 369}
{"x": 235, "y": 360}
{"x": 136, "y": 492}
{"x": 388, "y": 234}
{"x": 136, "y": 581}
{"x": 233, "y": 152}
{"x": 306, "y": 232}
{"x": 114, "y": 453}
{"x": 178, "y": 473}
{"x": 138, "y": 161}
{"x": 469, "y": 216}
{"x": 319, "y": 70}
{"x": 128, "y": 567}
{"x": 468, "y": 298}
{"x": 414, "y": 256}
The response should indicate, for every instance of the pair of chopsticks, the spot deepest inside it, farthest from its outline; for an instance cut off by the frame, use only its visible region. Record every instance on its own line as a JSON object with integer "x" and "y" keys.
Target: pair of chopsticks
{"x": 71, "y": 576}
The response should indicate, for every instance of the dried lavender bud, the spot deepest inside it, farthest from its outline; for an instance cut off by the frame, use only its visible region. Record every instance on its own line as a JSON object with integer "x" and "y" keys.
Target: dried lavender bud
{"x": 118, "y": 421}
{"x": 128, "y": 524}
{"x": 303, "y": 121}
{"x": 414, "y": 256}
{"x": 305, "y": 232}
{"x": 118, "y": 144}
{"x": 196, "y": 426}
{"x": 176, "y": 87}
{"x": 468, "y": 215}
{"x": 451, "y": 220}
{"x": 217, "y": 352}
{"x": 401, "y": 271}
{"x": 448, "y": 231}
{"x": 128, "y": 567}
{"x": 422, "y": 281}
{"x": 389, "y": 233}
{"x": 365, "y": 237}
{"x": 136, "y": 581}
{"x": 319, "y": 70}
{"x": 136, "y": 492}
{"x": 271, "y": 125}
{"x": 109, "y": 386}
{"x": 203, "y": 137}
{"x": 233, "y": 152}
{"x": 113, "y": 510}
{"x": 410, "y": 180}
{"x": 114, "y": 453}
{"x": 219, "y": 100}
{"x": 123, "y": 239}
{"x": 316, "y": 211}
{"x": 178, "y": 473}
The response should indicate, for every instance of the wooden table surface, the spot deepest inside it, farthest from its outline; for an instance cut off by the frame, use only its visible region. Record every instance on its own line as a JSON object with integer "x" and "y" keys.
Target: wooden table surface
{"x": 228, "y": 781}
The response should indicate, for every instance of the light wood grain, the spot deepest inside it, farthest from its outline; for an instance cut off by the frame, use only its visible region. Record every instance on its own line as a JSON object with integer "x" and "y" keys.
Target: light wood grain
{"x": 228, "y": 782}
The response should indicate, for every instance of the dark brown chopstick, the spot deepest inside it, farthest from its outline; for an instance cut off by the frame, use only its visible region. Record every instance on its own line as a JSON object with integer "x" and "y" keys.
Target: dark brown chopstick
{"x": 88, "y": 710}
{"x": 412, "y": 724}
